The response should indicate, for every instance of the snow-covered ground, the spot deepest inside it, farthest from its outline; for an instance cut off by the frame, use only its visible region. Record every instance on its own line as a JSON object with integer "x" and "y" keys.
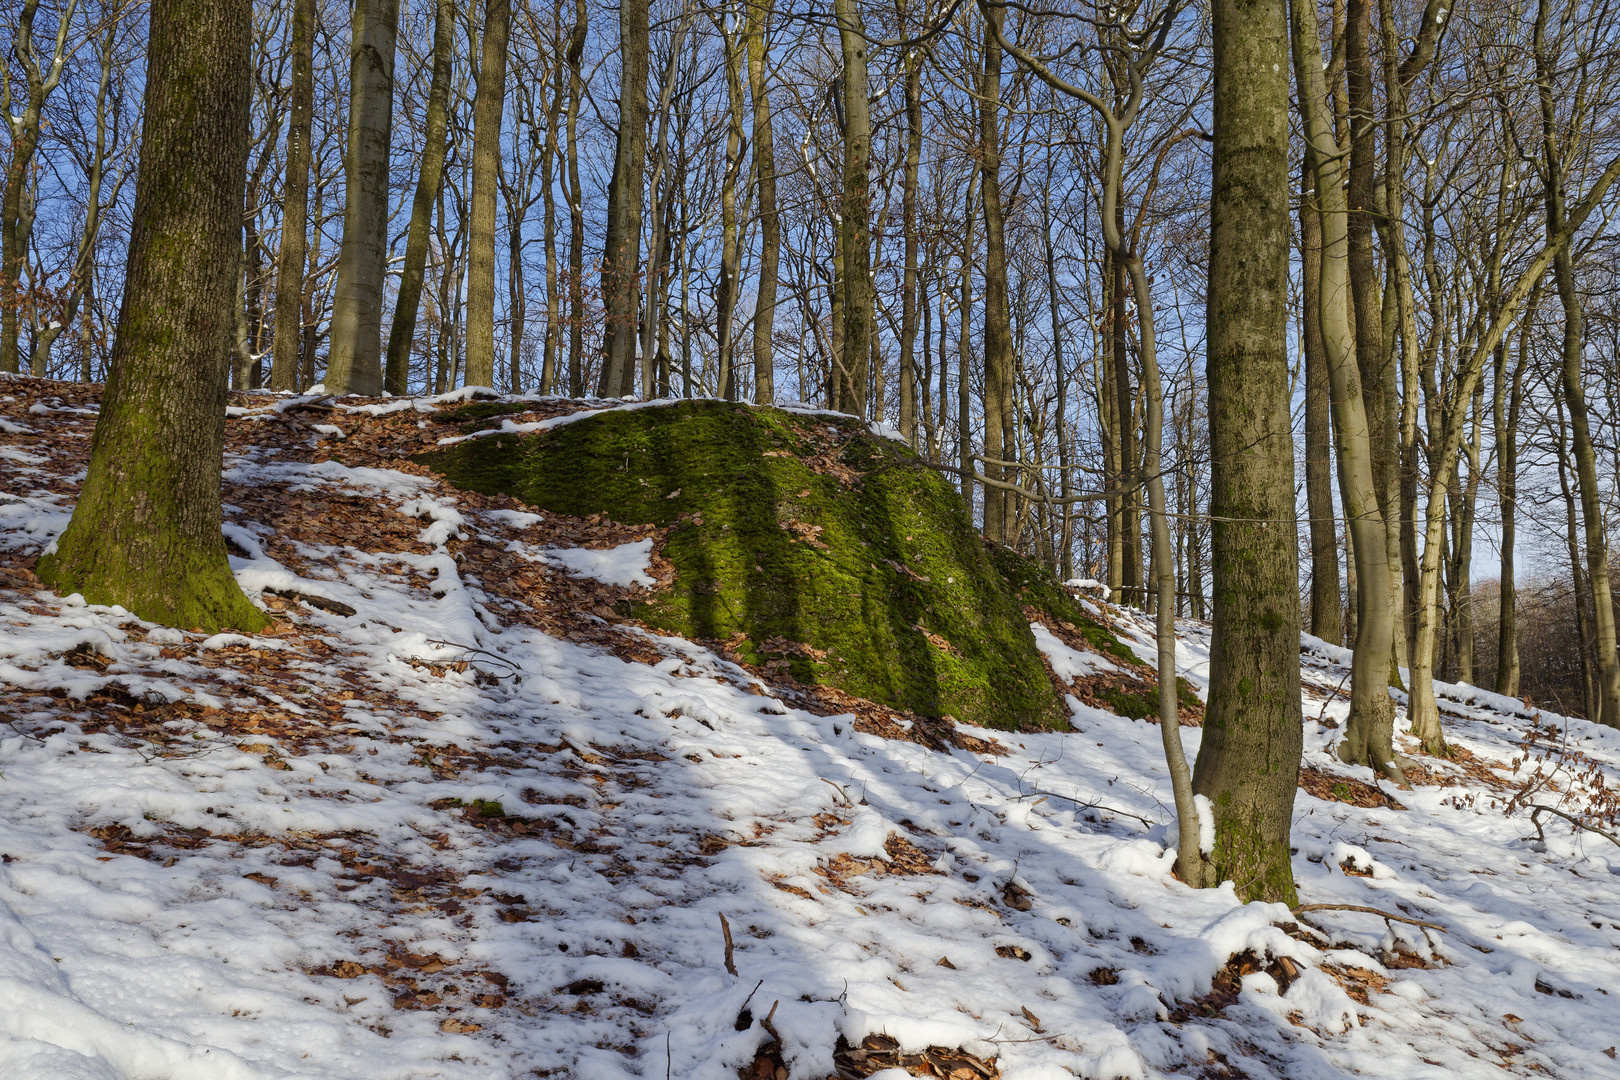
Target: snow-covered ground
{"x": 437, "y": 837}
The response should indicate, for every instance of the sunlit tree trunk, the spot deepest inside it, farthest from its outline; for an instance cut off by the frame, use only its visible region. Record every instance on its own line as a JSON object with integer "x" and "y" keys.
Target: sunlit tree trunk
{"x": 145, "y": 531}
{"x": 1248, "y": 765}
{"x": 622, "y": 250}
{"x": 435, "y": 146}
{"x": 488, "y": 107}
{"x": 355, "y": 363}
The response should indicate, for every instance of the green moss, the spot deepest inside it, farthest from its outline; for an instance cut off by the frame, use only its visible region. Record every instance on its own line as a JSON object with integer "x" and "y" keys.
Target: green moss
{"x": 475, "y": 413}
{"x": 1037, "y": 587}
{"x": 805, "y": 543}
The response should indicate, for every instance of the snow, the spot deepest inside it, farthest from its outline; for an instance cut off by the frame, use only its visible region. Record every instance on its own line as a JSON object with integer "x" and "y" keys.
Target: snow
{"x": 625, "y": 564}
{"x": 178, "y": 898}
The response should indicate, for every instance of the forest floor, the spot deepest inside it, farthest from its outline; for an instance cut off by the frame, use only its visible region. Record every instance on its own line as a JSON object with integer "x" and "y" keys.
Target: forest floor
{"x": 451, "y": 817}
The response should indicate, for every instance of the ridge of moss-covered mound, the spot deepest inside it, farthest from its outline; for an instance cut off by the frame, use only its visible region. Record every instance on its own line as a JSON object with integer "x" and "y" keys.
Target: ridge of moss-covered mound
{"x": 805, "y": 543}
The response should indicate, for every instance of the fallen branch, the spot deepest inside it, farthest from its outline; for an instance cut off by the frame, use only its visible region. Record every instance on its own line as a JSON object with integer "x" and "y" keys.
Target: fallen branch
{"x": 1537, "y": 810}
{"x": 731, "y": 964}
{"x": 1370, "y": 911}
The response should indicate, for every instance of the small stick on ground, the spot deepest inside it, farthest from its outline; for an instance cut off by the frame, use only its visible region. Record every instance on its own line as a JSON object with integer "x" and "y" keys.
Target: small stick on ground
{"x": 725, "y": 929}
{"x": 770, "y": 1027}
{"x": 1370, "y": 911}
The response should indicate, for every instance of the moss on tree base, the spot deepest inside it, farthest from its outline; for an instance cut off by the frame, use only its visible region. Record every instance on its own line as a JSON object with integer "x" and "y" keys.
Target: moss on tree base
{"x": 806, "y": 544}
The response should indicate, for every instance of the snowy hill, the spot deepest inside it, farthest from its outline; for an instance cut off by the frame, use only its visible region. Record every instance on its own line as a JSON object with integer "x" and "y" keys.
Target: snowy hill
{"x": 452, "y": 818}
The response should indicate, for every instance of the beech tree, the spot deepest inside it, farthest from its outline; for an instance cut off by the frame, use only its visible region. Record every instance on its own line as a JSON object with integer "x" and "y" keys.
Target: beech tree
{"x": 355, "y": 366}
{"x": 145, "y": 532}
{"x": 1248, "y": 765}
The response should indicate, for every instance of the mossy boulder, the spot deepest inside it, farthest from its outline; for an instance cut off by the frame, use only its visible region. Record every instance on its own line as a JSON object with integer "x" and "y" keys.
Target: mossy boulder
{"x": 805, "y": 543}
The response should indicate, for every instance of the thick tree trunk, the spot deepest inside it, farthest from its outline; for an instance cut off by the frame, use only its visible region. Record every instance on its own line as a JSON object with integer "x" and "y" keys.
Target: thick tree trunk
{"x": 488, "y": 107}
{"x": 355, "y": 363}
{"x": 145, "y": 532}
{"x": 622, "y": 250}
{"x": 1248, "y": 765}
{"x": 435, "y": 146}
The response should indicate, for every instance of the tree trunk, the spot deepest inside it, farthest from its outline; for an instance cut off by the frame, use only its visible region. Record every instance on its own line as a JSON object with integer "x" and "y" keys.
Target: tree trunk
{"x": 854, "y": 229}
{"x": 576, "y": 206}
{"x": 770, "y": 226}
{"x": 1507, "y": 486}
{"x": 964, "y": 351}
{"x": 622, "y": 250}
{"x": 999, "y": 435}
{"x": 909, "y": 286}
{"x": 488, "y": 107}
{"x": 725, "y": 298}
{"x": 145, "y": 532}
{"x": 435, "y": 147}
{"x": 1370, "y": 730}
{"x": 1574, "y": 342}
{"x": 355, "y": 362}
{"x": 295, "y": 203}
{"x": 1248, "y": 765}
{"x": 1326, "y": 604}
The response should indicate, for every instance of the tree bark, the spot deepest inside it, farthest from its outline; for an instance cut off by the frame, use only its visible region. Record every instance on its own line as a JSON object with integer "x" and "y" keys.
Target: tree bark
{"x": 1574, "y": 341}
{"x": 622, "y": 250}
{"x": 1370, "y": 729}
{"x": 1326, "y": 604}
{"x": 488, "y": 107}
{"x": 16, "y": 222}
{"x": 1248, "y": 765}
{"x": 1507, "y": 486}
{"x": 854, "y": 229}
{"x": 909, "y": 284}
{"x": 355, "y": 363}
{"x": 145, "y": 532}
{"x": 435, "y": 147}
{"x": 999, "y": 436}
{"x": 770, "y": 224}
{"x": 295, "y": 203}
{"x": 576, "y": 205}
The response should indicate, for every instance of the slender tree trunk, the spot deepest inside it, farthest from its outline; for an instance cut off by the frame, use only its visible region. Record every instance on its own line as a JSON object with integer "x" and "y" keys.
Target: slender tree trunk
{"x": 548, "y": 196}
{"x": 910, "y": 285}
{"x": 1326, "y": 604}
{"x": 295, "y": 203}
{"x": 576, "y": 206}
{"x": 1366, "y": 292}
{"x": 999, "y": 436}
{"x": 622, "y": 250}
{"x": 354, "y": 365}
{"x": 435, "y": 147}
{"x": 770, "y": 225}
{"x": 1507, "y": 486}
{"x": 964, "y": 351}
{"x": 1607, "y": 680}
{"x": 1248, "y": 765}
{"x": 854, "y": 228}
{"x": 1370, "y": 730}
{"x": 488, "y": 107}
{"x": 725, "y": 299}
{"x": 145, "y": 532}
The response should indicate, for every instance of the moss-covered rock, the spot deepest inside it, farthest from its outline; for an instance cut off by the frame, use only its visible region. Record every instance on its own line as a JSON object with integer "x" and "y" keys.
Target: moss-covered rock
{"x": 804, "y": 542}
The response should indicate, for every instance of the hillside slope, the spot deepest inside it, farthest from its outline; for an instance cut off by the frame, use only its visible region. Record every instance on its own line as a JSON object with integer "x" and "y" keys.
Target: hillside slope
{"x": 454, "y": 817}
